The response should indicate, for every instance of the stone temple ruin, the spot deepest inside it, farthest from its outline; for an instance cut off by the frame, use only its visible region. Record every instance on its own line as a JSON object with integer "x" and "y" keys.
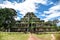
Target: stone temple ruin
{"x": 30, "y": 23}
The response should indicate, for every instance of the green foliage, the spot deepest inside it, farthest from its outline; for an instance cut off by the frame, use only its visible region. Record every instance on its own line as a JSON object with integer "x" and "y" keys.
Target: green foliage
{"x": 58, "y": 28}
{"x": 7, "y": 17}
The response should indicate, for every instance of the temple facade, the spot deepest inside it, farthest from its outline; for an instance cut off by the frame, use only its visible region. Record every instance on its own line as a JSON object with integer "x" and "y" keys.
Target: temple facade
{"x": 30, "y": 23}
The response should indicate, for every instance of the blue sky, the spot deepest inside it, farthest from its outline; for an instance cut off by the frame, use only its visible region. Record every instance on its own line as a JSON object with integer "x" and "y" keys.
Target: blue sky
{"x": 43, "y": 9}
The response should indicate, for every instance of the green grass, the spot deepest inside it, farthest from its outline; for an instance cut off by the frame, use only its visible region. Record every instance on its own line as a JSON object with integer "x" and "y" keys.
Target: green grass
{"x": 48, "y": 36}
{"x": 23, "y": 36}
{"x": 44, "y": 36}
{"x": 57, "y": 36}
{"x": 13, "y": 36}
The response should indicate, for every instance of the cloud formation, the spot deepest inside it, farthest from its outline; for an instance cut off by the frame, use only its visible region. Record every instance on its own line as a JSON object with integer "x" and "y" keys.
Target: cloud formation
{"x": 24, "y": 7}
{"x": 28, "y": 6}
{"x": 53, "y": 11}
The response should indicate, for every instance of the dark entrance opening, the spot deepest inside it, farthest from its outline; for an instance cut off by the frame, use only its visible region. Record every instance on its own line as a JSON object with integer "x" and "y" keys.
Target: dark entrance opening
{"x": 30, "y": 25}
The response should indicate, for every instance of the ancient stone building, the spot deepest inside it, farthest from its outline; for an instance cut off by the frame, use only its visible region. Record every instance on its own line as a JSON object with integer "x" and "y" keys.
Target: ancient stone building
{"x": 30, "y": 23}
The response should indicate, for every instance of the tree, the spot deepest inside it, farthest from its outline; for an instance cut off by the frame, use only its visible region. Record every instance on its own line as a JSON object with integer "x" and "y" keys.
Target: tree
{"x": 7, "y": 17}
{"x": 54, "y": 22}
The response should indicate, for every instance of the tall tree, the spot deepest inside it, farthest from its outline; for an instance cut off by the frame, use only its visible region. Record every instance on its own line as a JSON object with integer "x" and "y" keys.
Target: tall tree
{"x": 7, "y": 17}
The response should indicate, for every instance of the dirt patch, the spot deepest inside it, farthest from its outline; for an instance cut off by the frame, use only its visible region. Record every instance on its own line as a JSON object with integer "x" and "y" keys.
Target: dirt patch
{"x": 53, "y": 37}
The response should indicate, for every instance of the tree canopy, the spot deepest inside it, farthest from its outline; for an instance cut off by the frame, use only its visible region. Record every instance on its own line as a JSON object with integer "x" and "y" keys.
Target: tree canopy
{"x": 7, "y": 17}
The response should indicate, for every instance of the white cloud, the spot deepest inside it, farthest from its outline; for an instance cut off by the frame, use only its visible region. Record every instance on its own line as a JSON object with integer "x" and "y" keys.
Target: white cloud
{"x": 17, "y": 18}
{"x": 58, "y": 24}
{"x": 24, "y": 7}
{"x": 53, "y": 11}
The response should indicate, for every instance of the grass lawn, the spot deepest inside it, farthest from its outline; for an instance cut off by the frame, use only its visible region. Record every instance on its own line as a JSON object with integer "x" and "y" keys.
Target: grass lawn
{"x": 23, "y": 36}
{"x": 48, "y": 36}
{"x": 13, "y": 36}
{"x": 44, "y": 36}
{"x": 57, "y": 36}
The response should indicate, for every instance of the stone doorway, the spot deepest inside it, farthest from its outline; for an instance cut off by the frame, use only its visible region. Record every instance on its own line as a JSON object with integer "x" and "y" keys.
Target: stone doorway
{"x": 31, "y": 28}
